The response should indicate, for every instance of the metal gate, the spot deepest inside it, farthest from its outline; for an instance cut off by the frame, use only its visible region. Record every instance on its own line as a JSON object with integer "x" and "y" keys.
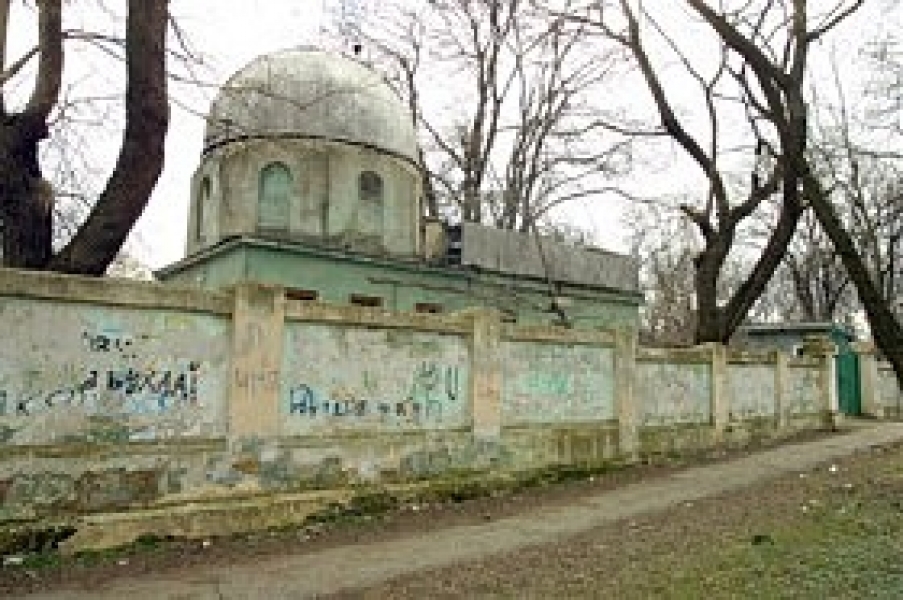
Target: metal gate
{"x": 848, "y": 384}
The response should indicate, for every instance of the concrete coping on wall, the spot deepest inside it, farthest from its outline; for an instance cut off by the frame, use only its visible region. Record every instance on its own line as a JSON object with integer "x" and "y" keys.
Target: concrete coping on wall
{"x": 695, "y": 354}
{"x": 560, "y": 335}
{"x": 321, "y": 312}
{"x": 111, "y": 292}
{"x": 752, "y": 357}
{"x": 459, "y": 322}
{"x": 802, "y": 362}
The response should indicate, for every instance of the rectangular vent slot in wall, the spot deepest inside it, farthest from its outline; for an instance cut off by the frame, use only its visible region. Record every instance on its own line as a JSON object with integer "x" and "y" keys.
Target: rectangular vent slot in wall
{"x": 303, "y": 295}
{"x": 361, "y": 300}
{"x": 428, "y": 307}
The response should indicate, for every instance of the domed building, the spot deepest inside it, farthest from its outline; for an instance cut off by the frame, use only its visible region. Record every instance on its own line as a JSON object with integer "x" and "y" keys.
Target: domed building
{"x": 310, "y": 178}
{"x": 306, "y": 145}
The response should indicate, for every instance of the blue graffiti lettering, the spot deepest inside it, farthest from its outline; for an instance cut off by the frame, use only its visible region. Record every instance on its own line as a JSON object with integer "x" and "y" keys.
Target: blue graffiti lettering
{"x": 301, "y": 401}
{"x": 140, "y": 392}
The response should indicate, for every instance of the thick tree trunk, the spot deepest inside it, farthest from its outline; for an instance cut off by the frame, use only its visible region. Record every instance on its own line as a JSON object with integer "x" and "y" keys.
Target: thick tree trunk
{"x": 886, "y": 329}
{"x": 709, "y": 317}
{"x": 140, "y": 161}
{"x": 718, "y": 324}
{"x": 28, "y": 227}
{"x": 26, "y": 201}
{"x": 774, "y": 252}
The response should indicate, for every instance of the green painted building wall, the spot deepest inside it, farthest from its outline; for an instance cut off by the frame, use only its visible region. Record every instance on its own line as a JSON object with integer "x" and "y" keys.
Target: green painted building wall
{"x": 336, "y": 277}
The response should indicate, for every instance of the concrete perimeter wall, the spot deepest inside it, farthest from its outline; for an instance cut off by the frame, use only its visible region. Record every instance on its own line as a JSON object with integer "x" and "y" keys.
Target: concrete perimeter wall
{"x": 117, "y": 396}
{"x": 881, "y": 394}
{"x": 889, "y": 396}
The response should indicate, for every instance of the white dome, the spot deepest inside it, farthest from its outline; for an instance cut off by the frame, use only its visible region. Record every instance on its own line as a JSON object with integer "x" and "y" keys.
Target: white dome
{"x": 311, "y": 93}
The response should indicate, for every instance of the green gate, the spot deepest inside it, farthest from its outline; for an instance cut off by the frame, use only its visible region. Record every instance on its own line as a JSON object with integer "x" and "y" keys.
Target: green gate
{"x": 848, "y": 384}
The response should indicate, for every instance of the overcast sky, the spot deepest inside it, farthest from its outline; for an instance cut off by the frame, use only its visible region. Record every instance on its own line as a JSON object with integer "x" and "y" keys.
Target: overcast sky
{"x": 229, "y": 34}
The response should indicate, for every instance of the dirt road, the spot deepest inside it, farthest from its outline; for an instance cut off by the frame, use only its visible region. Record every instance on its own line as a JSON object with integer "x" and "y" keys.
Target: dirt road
{"x": 440, "y": 554}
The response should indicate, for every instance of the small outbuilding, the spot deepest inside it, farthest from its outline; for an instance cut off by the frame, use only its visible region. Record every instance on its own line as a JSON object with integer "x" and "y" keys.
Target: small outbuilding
{"x": 790, "y": 338}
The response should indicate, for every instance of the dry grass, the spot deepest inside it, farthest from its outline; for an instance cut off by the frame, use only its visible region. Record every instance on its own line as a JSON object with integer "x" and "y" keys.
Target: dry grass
{"x": 828, "y": 533}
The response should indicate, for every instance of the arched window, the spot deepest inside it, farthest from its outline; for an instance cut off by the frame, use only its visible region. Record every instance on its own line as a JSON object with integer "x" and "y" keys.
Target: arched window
{"x": 275, "y": 195}
{"x": 370, "y": 203}
{"x": 203, "y": 210}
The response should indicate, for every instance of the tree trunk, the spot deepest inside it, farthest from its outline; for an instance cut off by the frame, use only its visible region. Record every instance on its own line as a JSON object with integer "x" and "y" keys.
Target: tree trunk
{"x": 28, "y": 227}
{"x": 886, "y": 329}
{"x": 141, "y": 157}
{"x": 26, "y": 201}
{"x": 775, "y": 250}
{"x": 709, "y": 318}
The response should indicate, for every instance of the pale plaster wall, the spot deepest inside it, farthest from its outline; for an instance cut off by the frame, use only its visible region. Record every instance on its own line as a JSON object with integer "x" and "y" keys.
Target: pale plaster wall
{"x": 751, "y": 390}
{"x": 338, "y": 377}
{"x": 802, "y": 391}
{"x": 93, "y": 373}
{"x": 86, "y": 373}
{"x": 671, "y": 393}
{"x": 324, "y": 194}
{"x": 396, "y": 395}
{"x": 552, "y": 383}
{"x": 889, "y": 393}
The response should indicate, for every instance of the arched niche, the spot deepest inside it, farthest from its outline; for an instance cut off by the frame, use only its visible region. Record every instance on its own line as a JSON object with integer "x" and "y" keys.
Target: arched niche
{"x": 274, "y": 197}
{"x": 371, "y": 191}
{"x": 206, "y": 224}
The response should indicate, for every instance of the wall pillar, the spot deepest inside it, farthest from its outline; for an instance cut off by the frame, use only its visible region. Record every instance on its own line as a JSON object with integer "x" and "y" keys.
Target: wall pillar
{"x": 258, "y": 321}
{"x": 721, "y": 409}
{"x": 780, "y": 380}
{"x": 627, "y": 408}
{"x": 868, "y": 379}
{"x": 823, "y": 349}
{"x": 486, "y": 375}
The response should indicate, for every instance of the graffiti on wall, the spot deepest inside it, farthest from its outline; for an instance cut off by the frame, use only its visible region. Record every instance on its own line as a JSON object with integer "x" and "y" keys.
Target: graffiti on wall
{"x": 72, "y": 364}
{"x": 357, "y": 377}
{"x": 433, "y": 389}
{"x": 125, "y": 390}
{"x": 751, "y": 391}
{"x": 672, "y": 393}
{"x": 546, "y": 383}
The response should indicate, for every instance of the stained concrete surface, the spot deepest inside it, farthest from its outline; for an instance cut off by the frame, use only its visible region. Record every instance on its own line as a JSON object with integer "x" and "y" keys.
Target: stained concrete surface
{"x": 312, "y": 575}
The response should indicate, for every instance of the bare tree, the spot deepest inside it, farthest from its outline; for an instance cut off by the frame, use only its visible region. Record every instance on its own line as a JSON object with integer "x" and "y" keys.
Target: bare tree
{"x": 521, "y": 137}
{"x": 664, "y": 245}
{"x": 885, "y": 325}
{"x": 394, "y": 38}
{"x": 27, "y": 200}
{"x": 866, "y": 188}
{"x": 763, "y": 50}
{"x": 781, "y": 89}
{"x": 867, "y": 194}
{"x": 815, "y": 276}
{"x": 885, "y": 90}
{"x": 857, "y": 196}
